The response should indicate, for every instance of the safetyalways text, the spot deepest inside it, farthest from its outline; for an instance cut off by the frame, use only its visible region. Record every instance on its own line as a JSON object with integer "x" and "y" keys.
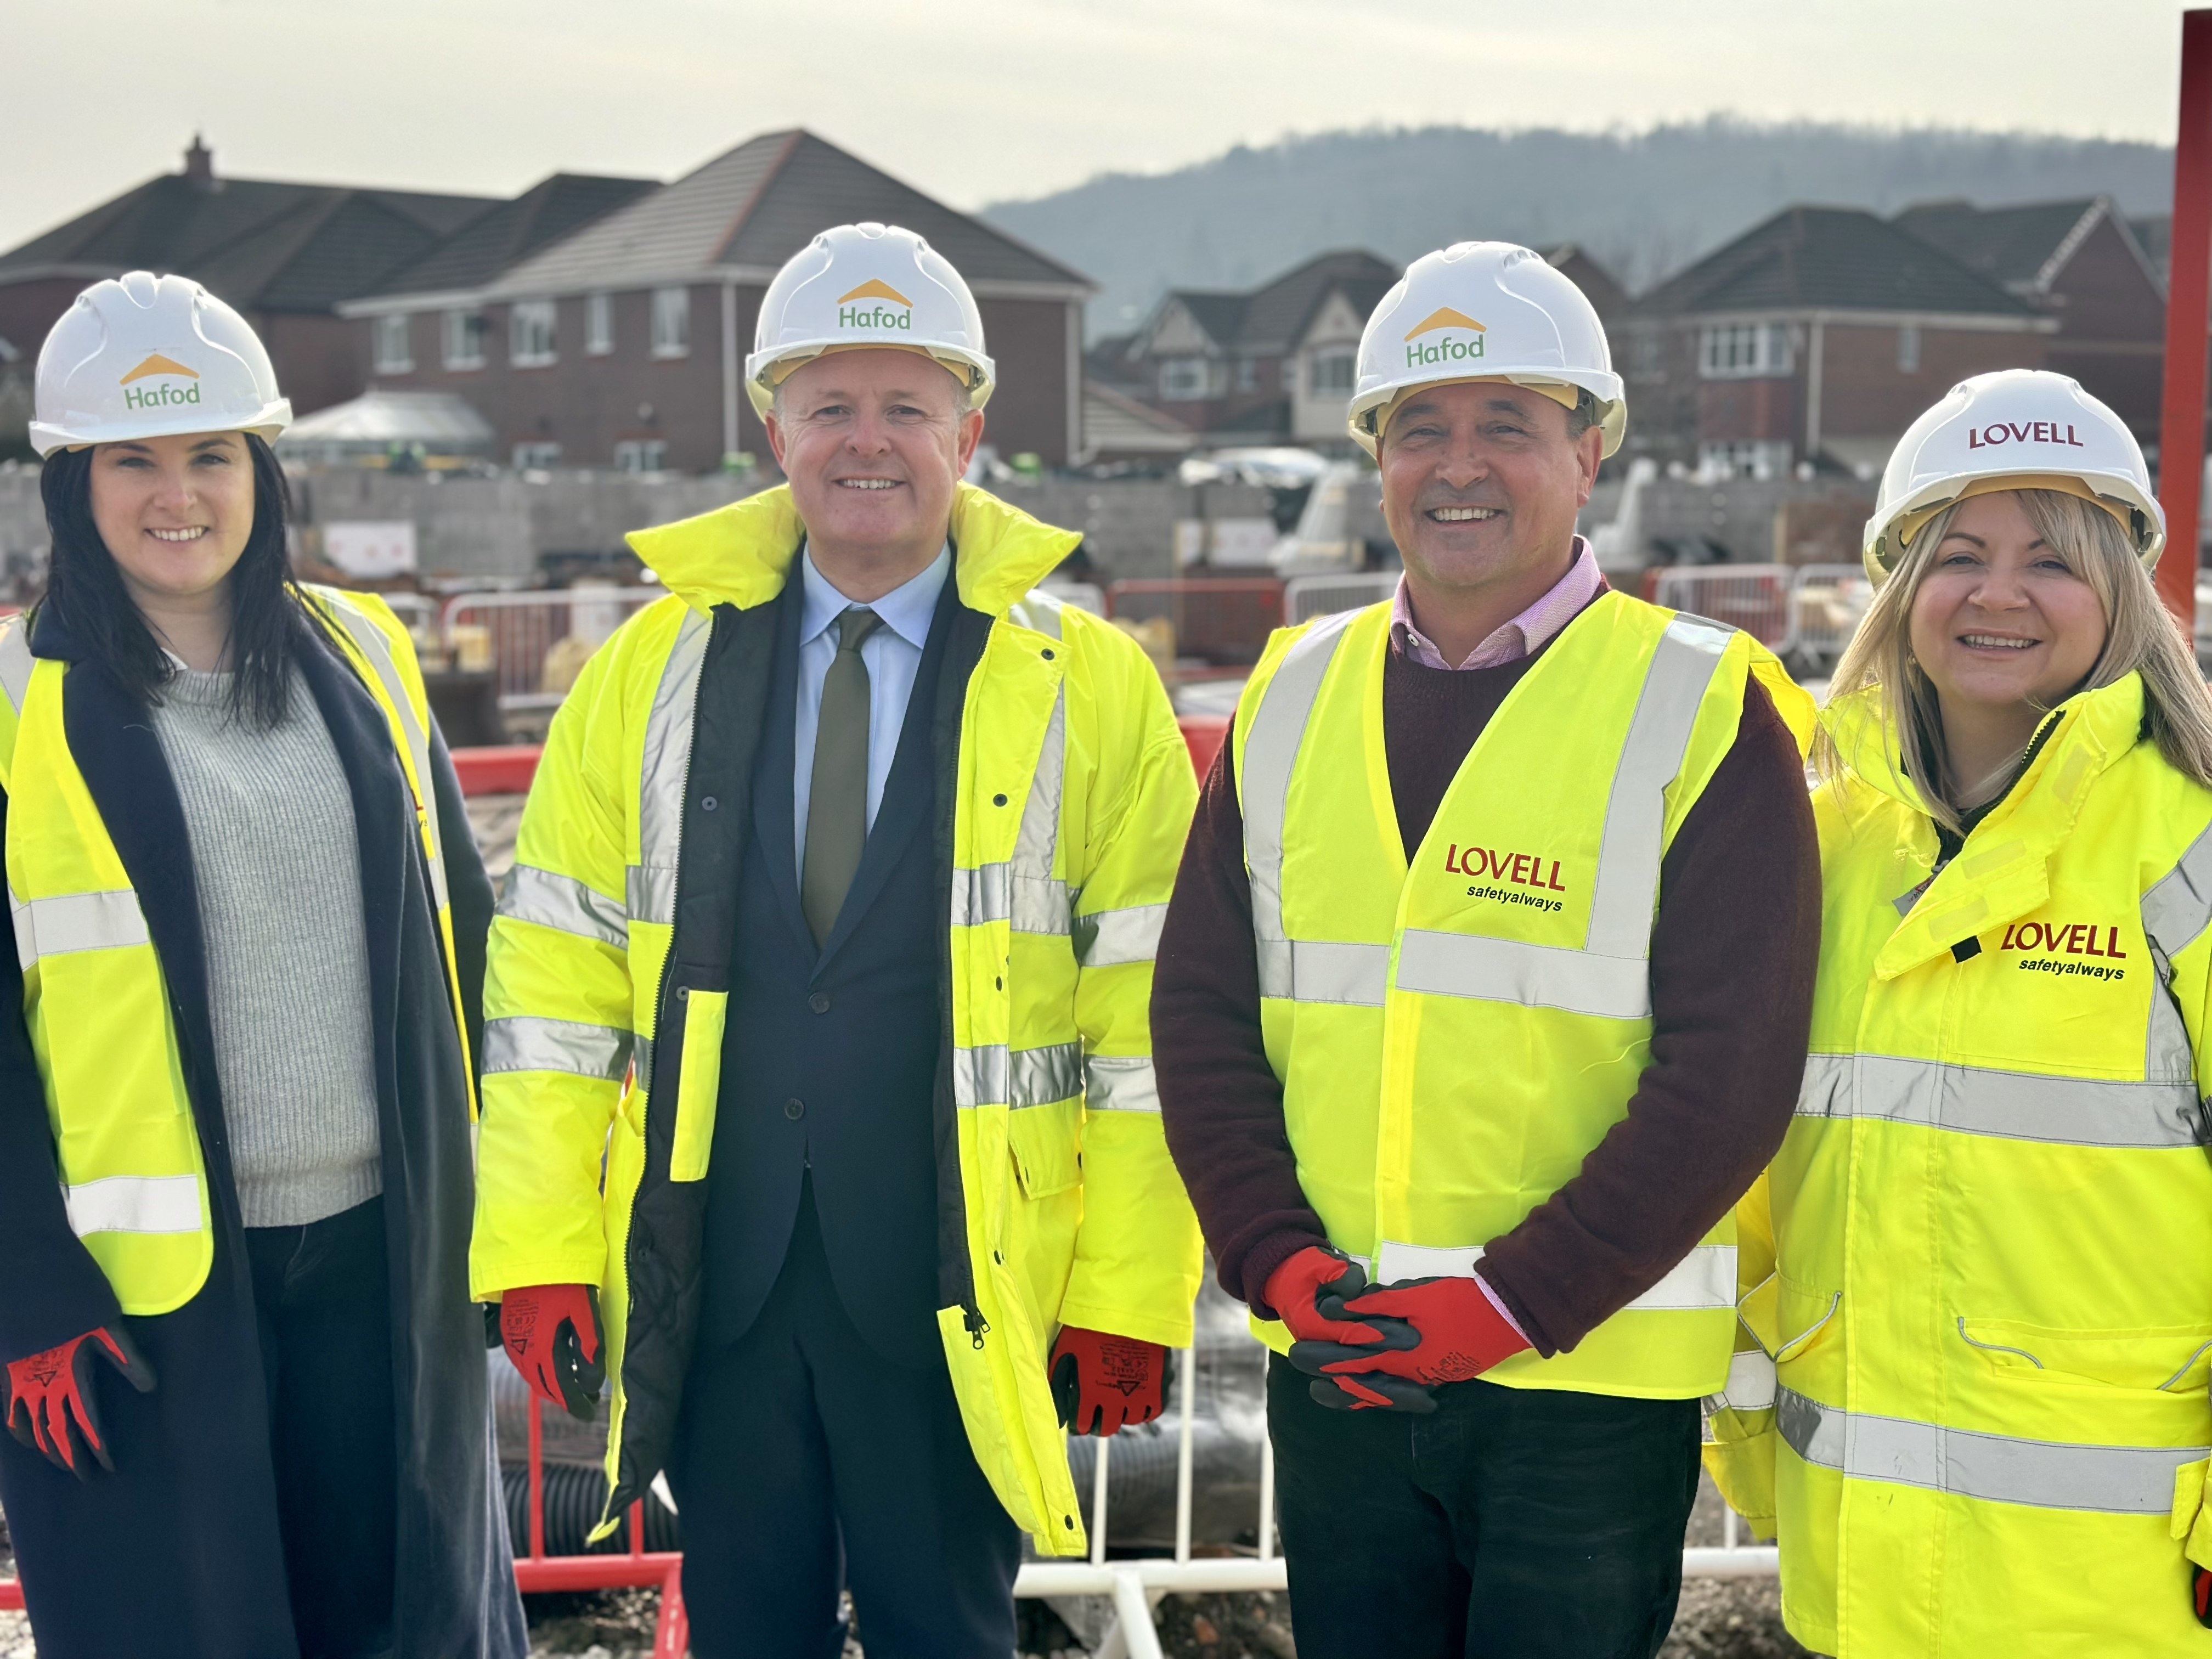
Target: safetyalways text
{"x": 1521, "y": 870}
{"x": 2046, "y": 944}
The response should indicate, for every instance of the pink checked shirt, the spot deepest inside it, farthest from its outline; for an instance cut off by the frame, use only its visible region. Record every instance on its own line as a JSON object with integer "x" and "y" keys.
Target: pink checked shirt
{"x": 1514, "y": 640}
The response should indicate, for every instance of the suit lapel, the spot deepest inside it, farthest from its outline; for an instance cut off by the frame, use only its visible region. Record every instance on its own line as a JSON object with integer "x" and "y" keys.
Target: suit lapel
{"x": 773, "y": 805}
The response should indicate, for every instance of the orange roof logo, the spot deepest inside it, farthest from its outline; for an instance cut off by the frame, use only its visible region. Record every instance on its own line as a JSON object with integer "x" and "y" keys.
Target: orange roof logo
{"x": 1445, "y": 316}
{"x": 157, "y": 364}
{"x": 875, "y": 289}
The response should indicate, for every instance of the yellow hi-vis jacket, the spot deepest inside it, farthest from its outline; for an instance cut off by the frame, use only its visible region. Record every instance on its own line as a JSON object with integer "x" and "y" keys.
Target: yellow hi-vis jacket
{"x": 1456, "y": 1032}
{"x": 1982, "y": 1258}
{"x": 605, "y": 1003}
{"x": 95, "y": 1000}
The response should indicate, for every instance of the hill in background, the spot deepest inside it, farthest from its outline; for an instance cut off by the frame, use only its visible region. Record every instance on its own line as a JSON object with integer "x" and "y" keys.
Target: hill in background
{"x": 1644, "y": 204}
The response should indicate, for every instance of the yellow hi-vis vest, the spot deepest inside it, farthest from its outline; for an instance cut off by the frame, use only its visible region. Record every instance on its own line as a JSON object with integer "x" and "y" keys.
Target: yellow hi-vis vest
{"x": 95, "y": 998}
{"x": 1455, "y": 1033}
{"x": 1988, "y": 1273}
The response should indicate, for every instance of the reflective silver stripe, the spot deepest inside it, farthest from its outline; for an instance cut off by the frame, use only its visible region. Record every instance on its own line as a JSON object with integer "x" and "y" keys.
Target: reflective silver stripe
{"x": 2178, "y": 906}
{"x": 1751, "y": 1386}
{"x": 1534, "y": 976}
{"x": 374, "y": 646}
{"x": 1320, "y": 970}
{"x": 2013, "y": 1105}
{"x": 992, "y": 1075}
{"x": 1108, "y": 938}
{"x": 135, "y": 1204}
{"x": 1996, "y": 1468}
{"x": 667, "y": 762}
{"x": 16, "y": 662}
{"x": 1023, "y": 892}
{"x": 1038, "y": 610}
{"x": 1271, "y": 753}
{"x": 525, "y": 1042}
{"x": 1626, "y": 892}
{"x": 1701, "y": 1282}
{"x": 75, "y": 921}
{"x": 563, "y": 903}
{"x": 649, "y": 895}
{"x": 1120, "y": 1083}
{"x": 640, "y": 1056}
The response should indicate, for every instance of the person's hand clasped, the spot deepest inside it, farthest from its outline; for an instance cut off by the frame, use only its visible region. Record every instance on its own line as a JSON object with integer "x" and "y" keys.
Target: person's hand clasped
{"x": 49, "y": 1403}
{"x": 1308, "y": 1293}
{"x": 1428, "y": 1331}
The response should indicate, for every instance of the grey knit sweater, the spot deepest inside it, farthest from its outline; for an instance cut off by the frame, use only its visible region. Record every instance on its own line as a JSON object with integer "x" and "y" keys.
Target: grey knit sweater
{"x": 274, "y": 850}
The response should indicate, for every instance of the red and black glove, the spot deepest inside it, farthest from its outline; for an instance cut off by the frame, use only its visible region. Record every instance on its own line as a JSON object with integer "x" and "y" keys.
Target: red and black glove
{"x": 552, "y": 1335}
{"x": 1102, "y": 1383}
{"x": 2200, "y": 1593}
{"x": 1308, "y": 1293}
{"x": 49, "y": 1402}
{"x": 1432, "y": 1331}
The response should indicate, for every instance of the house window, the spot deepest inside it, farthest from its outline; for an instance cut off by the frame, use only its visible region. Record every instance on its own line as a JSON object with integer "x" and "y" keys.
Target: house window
{"x": 598, "y": 323}
{"x": 645, "y": 455}
{"x": 1736, "y": 351}
{"x": 1334, "y": 372}
{"x": 1248, "y": 374}
{"x": 536, "y": 458}
{"x": 389, "y": 335}
{"x": 671, "y": 322}
{"x": 1183, "y": 380}
{"x": 530, "y": 334}
{"x": 1908, "y": 349}
{"x": 461, "y": 336}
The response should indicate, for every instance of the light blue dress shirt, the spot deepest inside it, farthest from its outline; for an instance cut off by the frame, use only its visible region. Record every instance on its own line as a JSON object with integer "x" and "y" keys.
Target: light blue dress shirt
{"x": 893, "y": 656}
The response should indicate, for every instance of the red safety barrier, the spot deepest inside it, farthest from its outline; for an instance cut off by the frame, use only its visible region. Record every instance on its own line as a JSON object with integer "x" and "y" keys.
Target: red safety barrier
{"x": 505, "y": 770}
{"x": 1203, "y": 735}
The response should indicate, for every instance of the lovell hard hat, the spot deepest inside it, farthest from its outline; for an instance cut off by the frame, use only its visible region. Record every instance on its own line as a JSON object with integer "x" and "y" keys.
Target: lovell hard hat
{"x": 2014, "y": 428}
{"x": 867, "y": 285}
{"x": 148, "y": 356}
{"x": 1485, "y": 311}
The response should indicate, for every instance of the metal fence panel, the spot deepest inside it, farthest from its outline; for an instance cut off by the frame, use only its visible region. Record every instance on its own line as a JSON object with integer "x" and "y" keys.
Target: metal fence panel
{"x": 1305, "y": 597}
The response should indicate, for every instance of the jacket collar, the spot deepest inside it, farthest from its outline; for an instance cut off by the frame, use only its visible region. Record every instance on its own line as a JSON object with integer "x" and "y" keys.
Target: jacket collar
{"x": 742, "y": 554}
{"x": 2001, "y": 874}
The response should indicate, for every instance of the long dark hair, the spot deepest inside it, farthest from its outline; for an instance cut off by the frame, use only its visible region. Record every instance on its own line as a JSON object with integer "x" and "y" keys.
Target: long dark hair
{"x": 267, "y": 620}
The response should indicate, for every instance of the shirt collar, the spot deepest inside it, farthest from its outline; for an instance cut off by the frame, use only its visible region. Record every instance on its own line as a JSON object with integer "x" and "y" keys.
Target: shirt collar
{"x": 1523, "y": 636}
{"x": 906, "y": 610}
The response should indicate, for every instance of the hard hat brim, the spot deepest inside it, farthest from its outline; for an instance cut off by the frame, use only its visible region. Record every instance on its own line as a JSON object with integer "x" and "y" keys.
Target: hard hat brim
{"x": 47, "y": 437}
{"x": 766, "y": 370}
{"x": 1368, "y": 410}
{"x": 2113, "y": 491}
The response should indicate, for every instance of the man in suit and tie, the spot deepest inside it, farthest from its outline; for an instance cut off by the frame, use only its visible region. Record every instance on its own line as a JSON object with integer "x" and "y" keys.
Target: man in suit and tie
{"x": 832, "y": 926}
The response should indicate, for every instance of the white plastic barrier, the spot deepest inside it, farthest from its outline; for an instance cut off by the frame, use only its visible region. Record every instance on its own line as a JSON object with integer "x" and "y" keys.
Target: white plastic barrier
{"x": 1827, "y": 604}
{"x": 520, "y": 629}
{"x": 1305, "y": 597}
{"x": 1135, "y": 1586}
{"x": 1753, "y": 596}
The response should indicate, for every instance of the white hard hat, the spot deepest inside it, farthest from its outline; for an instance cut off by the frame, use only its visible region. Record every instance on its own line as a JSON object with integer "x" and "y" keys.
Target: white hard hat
{"x": 2017, "y": 428}
{"x": 1484, "y": 311}
{"x": 867, "y": 285}
{"x": 148, "y": 356}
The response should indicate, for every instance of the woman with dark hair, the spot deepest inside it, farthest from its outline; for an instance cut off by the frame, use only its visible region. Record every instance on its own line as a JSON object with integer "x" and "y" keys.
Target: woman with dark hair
{"x": 235, "y": 1085}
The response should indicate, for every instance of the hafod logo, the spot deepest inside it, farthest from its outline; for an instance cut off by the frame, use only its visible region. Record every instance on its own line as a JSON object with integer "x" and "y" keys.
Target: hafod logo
{"x": 1452, "y": 349}
{"x": 160, "y": 396}
{"x": 852, "y": 314}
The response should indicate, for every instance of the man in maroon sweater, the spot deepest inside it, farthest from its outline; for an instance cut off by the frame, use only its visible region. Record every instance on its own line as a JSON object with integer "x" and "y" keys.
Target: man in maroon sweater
{"x": 1425, "y": 1511}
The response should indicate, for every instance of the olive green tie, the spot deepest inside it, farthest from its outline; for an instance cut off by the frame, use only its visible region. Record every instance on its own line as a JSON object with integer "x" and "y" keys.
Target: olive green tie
{"x": 837, "y": 804}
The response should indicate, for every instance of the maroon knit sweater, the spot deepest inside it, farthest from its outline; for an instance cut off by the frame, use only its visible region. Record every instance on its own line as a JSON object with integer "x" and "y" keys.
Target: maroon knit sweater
{"x": 1733, "y": 955}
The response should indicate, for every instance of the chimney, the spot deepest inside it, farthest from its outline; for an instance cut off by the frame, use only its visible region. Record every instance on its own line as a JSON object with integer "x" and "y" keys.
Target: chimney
{"x": 199, "y": 165}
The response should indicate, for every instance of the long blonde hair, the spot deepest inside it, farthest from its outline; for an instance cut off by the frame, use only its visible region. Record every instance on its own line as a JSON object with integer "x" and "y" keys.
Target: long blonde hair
{"x": 2141, "y": 637}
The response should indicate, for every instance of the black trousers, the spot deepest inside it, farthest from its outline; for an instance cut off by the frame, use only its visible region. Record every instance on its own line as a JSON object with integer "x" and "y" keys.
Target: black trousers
{"x": 1515, "y": 1523}
{"x": 322, "y": 1298}
{"x": 803, "y": 1462}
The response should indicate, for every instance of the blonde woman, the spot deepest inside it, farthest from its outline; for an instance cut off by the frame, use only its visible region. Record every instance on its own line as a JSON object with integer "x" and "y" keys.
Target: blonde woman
{"x": 1983, "y": 1259}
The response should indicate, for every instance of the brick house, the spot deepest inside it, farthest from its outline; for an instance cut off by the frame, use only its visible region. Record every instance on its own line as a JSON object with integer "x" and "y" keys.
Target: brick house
{"x": 623, "y": 344}
{"x": 2081, "y": 264}
{"x": 1816, "y": 336}
{"x": 285, "y": 255}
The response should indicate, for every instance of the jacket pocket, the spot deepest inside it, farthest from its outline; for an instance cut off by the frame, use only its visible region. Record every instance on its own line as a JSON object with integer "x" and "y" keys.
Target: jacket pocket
{"x": 701, "y": 1084}
{"x": 2191, "y": 1524}
{"x": 2168, "y": 1359}
{"x": 1045, "y": 1142}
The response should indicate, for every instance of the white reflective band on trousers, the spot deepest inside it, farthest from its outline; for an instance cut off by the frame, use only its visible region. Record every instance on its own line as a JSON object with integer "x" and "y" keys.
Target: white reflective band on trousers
{"x": 2050, "y": 1475}
{"x": 1609, "y": 976}
{"x": 1705, "y": 1279}
{"x": 135, "y": 1204}
{"x": 75, "y": 921}
{"x": 528, "y": 1042}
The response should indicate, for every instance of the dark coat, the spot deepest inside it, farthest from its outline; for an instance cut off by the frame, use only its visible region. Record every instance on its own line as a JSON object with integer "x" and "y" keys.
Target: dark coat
{"x": 177, "y": 1554}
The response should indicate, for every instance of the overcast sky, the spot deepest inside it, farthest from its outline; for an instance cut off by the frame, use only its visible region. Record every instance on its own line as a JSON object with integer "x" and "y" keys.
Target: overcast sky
{"x": 990, "y": 98}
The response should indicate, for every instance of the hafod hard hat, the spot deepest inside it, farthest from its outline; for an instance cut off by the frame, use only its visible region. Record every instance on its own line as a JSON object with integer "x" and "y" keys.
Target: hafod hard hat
{"x": 148, "y": 356}
{"x": 1485, "y": 311}
{"x": 861, "y": 286}
{"x": 2017, "y": 428}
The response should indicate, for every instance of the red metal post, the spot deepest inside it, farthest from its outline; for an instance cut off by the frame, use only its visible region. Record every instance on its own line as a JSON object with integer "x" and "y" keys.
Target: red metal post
{"x": 637, "y": 1530}
{"x": 2188, "y": 310}
{"x": 536, "y": 1481}
{"x": 671, "y": 1630}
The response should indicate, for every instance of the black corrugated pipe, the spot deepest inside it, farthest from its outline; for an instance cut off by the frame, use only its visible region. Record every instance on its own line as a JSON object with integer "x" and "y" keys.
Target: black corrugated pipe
{"x": 573, "y": 1498}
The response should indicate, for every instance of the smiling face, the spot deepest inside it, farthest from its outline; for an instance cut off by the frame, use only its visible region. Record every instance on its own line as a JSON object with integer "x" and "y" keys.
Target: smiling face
{"x": 874, "y": 443}
{"x": 175, "y": 513}
{"x": 2001, "y": 621}
{"x": 1481, "y": 485}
